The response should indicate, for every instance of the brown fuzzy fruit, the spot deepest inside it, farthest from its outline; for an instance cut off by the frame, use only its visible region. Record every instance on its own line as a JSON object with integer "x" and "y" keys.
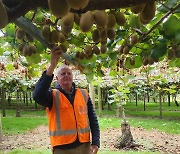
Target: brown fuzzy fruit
{"x": 101, "y": 18}
{"x": 111, "y": 33}
{"x": 132, "y": 61}
{"x": 3, "y": 16}
{"x": 149, "y": 11}
{"x": 120, "y": 18}
{"x": 59, "y": 8}
{"x": 21, "y": 46}
{"x": 55, "y": 36}
{"x": 82, "y": 55}
{"x": 63, "y": 47}
{"x": 111, "y": 21}
{"x": 96, "y": 36}
{"x": 32, "y": 49}
{"x": 20, "y": 34}
{"x": 88, "y": 50}
{"x": 120, "y": 49}
{"x": 62, "y": 38}
{"x": 46, "y": 32}
{"x": 96, "y": 50}
{"x": 65, "y": 29}
{"x": 103, "y": 48}
{"x": 78, "y": 4}
{"x": 145, "y": 61}
{"x": 171, "y": 53}
{"x": 86, "y": 21}
{"x": 138, "y": 8}
{"x": 68, "y": 20}
{"x": 103, "y": 34}
{"x": 126, "y": 50}
{"x": 26, "y": 51}
{"x": 134, "y": 39}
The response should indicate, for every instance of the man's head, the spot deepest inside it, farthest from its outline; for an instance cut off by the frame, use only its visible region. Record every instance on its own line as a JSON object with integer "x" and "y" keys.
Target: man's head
{"x": 65, "y": 77}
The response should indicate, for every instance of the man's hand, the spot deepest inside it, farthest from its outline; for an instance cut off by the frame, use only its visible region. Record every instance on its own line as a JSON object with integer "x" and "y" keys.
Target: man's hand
{"x": 56, "y": 53}
{"x": 94, "y": 149}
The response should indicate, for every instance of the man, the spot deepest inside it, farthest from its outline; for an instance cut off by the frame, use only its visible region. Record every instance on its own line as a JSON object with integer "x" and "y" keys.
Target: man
{"x": 70, "y": 111}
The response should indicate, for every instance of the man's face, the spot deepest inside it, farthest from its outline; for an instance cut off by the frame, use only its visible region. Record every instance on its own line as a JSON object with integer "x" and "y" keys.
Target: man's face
{"x": 65, "y": 78}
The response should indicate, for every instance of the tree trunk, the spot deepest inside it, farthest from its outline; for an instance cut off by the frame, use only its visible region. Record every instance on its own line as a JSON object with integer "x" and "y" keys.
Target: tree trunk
{"x": 144, "y": 101}
{"x": 3, "y": 101}
{"x": 169, "y": 99}
{"x": 26, "y": 95}
{"x": 136, "y": 98}
{"x": 18, "y": 106}
{"x": 99, "y": 101}
{"x": 30, "y": 97}
{"x": 91, "y": 93}
{"x": 1, "y": 135}
{"x": 160, "y": 102}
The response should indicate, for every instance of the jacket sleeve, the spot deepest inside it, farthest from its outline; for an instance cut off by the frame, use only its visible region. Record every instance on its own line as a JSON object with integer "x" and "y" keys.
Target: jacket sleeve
{"x": 42, "y": 94}
{"x": 94, "y": 126}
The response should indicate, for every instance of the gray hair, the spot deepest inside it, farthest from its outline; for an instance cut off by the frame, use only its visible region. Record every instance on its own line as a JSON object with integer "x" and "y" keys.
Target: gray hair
{"x": 60, "y": 68}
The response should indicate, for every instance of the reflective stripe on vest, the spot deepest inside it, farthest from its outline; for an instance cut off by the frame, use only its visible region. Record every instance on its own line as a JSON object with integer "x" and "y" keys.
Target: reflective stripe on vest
{"x": 60, "y": 132}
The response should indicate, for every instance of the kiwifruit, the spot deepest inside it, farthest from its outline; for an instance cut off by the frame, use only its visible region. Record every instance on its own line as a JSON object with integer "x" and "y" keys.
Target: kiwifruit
{"x": 78, "y": 54}
{"x": 55, "y": 36}
{"x": 103, "y": 34}
{"x": 111, "y": 21}
{"x": 88, "y": 50}
{"x": 96, "y": 50}
{"x": 15, "y": 65}
{"x": 46, "y": 32}
{"x": 134, "y": 39}
{"x": 120, "y": 18}
{"x": 32, "y": 49}
{"x": 132, "y": 61}
{"x": 145, "y": 61}
{"x": 177, "y": 52}
{"x": 126, "y": 50}
{"x": 120, "y": 49}
{"x": 76, "y": 19}
{"x": 171, "y": 53}
{"x": 101, "y": 18}
{"x": 150, "y": 60}
{"x": 82, "y": 55}
{"x": 20, "y": 34}
{"x": 144, "y": 22}
{"x": 62, "y": 38}
{"x": 78, "y": 4}
{"x": 29, "y": 37}
{"x": 104, "y": 41}
{"x": 65, "y": 29}
{"x": 59, "y": 8}
{"x": 21, "y": 46}
{"x": 95, "y": 36}
{"x": 103, "y": 48}
{"x": 63, "y": 47}
{"x": 86, "y": 21}
{"x": 26, "y": 50}
{"x": 138, "y": 8}
{"x": 89, "y": 56}
{"x": 3, "y": 15}
{"x": 68, "y": 20}
{"x": 111, "y": 33}
{"x": 149, "y": 11}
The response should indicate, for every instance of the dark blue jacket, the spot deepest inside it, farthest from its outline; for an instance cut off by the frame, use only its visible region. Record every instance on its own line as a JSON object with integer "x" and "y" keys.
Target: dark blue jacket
{"x": 43, "y": 96}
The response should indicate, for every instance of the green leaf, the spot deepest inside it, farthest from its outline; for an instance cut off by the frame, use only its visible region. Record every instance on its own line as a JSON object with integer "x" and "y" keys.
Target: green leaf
{"x": 159, "y": 49}
{"x": 10, "y": 30}
{"x": 172, "y": 28}
{"x": 134, "y": 21}
{"x": 9, "y": 67}
{"x": 138, "y": 62}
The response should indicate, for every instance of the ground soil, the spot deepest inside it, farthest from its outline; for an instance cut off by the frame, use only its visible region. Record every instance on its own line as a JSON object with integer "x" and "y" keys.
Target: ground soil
{"x": 146, "y": 140}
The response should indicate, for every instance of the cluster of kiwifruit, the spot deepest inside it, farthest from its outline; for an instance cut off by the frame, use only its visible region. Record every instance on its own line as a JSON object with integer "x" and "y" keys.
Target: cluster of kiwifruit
{"x": 146, "y": 11}
{"x": 105, "y": 24}
{"x": 174, "y": 52}
{"x": 148, "y": 60}
{"x": 2, "y": 66}
{"x": 60, "y": 8}
{"x": 22, "y": 35}
{"x": 27, "y": 49}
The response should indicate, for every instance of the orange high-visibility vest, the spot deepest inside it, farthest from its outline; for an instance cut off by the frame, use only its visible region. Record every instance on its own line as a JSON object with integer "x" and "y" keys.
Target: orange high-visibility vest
{"x": 66, "y": 121}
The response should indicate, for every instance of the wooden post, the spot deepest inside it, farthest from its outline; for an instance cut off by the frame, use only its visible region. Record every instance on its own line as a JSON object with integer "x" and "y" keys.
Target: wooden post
{"x": 91, "y": 93}
{"x": 99, "y": 101}
{"x": 0, "y": 134}
{"x": 160, "y": 102}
